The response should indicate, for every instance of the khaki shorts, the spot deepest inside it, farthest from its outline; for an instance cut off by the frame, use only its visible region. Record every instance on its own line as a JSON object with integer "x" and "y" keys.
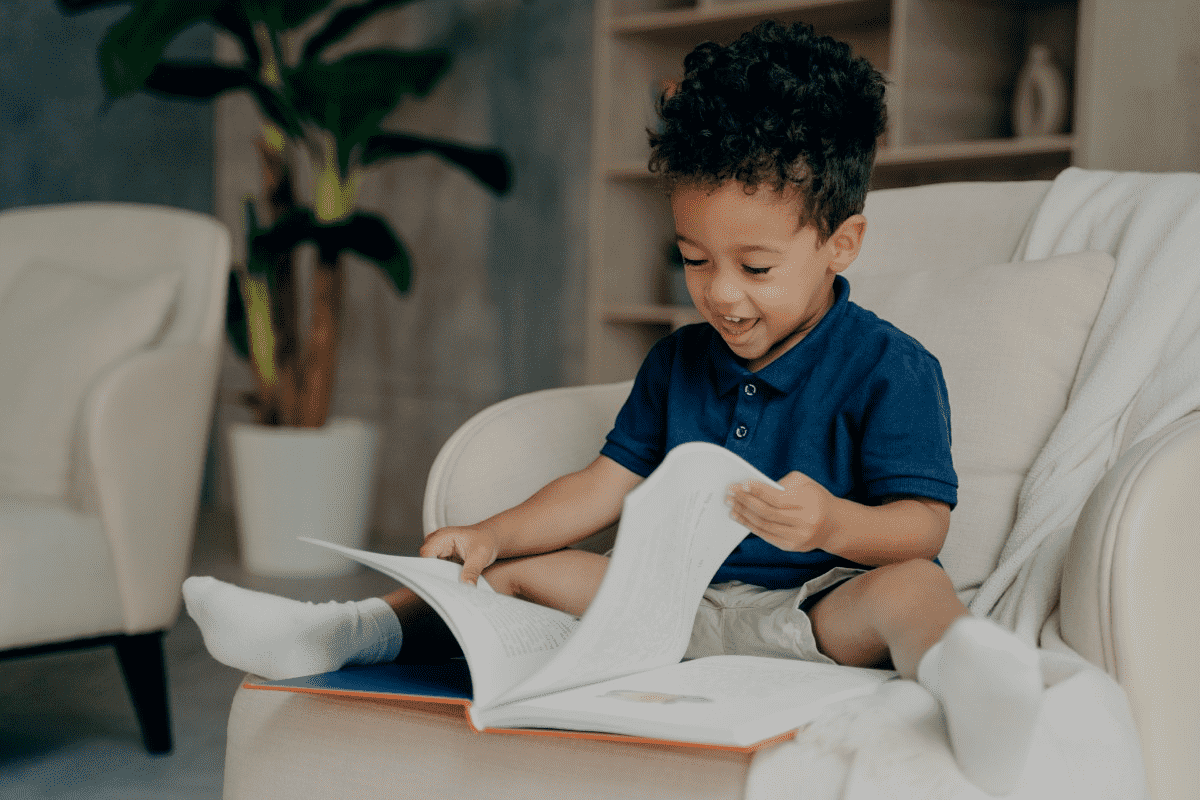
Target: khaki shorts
{"x": 744, "y": 619}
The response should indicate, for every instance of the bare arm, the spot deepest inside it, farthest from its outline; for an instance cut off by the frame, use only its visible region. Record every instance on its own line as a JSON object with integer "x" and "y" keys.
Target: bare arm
{"x": 805, "y": 516}
{"x": 565, "y": 511}
{"x": 912, "y": 527}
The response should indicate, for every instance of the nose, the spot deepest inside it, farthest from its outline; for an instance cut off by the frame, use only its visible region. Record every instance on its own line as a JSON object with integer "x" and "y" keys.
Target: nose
{"x": 725, "y": 290}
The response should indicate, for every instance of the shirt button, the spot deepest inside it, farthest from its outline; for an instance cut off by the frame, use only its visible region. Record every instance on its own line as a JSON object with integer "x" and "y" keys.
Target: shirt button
{"x": 741, "y": 432}
{"x": 751, "y": 389}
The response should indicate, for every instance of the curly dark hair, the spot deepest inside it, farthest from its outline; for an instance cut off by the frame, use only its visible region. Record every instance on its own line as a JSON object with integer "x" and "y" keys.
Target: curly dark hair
{"x": 781, "y": 107}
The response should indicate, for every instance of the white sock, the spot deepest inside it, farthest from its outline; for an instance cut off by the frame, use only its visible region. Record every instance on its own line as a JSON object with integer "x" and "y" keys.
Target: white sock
{"x": 279, "y": 638}
{"x": 989, "y": 683}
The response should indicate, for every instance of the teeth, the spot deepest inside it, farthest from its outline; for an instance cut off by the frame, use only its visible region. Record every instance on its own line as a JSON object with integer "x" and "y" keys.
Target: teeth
{"x": 734, "y": 319}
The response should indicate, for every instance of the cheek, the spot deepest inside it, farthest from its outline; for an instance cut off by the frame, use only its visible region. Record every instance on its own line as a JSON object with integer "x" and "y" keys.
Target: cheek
{"x": 772, "y": 294}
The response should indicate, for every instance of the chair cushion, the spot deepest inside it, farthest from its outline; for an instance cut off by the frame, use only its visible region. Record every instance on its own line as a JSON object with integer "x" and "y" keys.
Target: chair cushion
{"x": 57, "y": 580}
{"x": 60, "y": 329}
{"x": 1009, "y": 338}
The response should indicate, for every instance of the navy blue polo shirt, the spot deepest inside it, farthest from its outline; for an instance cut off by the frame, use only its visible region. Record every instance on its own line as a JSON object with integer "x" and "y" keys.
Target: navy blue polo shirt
{"x": 857, "y": 405}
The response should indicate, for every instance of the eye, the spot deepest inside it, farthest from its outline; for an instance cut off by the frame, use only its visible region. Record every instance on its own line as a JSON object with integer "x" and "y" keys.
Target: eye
{"x": 749, "y": 270}
{"x": 694, "y": 262}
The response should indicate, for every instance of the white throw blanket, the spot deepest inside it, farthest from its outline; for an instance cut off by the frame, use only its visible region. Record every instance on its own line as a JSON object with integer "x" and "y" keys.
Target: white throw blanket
{"x": 1140, "y": 372}
{"x": 1140, "y": 369}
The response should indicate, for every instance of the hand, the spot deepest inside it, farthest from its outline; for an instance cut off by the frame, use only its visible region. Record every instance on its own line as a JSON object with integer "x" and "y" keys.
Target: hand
{"x": 796, "y": 518}
{"x": 474, "y": 548}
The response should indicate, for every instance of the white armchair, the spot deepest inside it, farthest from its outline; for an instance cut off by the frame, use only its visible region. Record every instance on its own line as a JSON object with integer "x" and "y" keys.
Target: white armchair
{"x": 1031, "y": 337}
{"x": 111, "y": 319}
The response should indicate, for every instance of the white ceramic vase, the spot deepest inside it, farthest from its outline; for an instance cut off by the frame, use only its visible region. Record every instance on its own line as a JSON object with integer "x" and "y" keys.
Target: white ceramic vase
{"x": 1040, "y": 100}
{"x": 292, "y": 482}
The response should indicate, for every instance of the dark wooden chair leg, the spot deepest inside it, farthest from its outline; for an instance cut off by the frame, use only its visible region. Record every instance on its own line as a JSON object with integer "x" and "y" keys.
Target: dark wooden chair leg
{"x": 145, "y": 672}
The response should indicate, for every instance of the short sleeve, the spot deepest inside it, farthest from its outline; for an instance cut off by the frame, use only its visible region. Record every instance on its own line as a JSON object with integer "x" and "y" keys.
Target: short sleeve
{"x": 638, "y": 438}
{"x": 905, "y": 446}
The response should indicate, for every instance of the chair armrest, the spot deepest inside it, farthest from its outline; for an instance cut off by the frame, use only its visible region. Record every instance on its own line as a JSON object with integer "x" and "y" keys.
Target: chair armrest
{"x": 143, "y": 440}
{"x": 509, "y": 450}
{"x": 1128, "y": 595}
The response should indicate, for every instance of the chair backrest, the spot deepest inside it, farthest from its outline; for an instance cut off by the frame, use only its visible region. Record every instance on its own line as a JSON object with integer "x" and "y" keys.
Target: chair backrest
{"x": 959, "y": 224}
{"x": 125, "y": 242}
{"x": 508, "y": 451}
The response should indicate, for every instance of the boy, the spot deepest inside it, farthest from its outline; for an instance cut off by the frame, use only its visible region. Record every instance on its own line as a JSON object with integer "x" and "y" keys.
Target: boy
{"x": 766, "y": 151}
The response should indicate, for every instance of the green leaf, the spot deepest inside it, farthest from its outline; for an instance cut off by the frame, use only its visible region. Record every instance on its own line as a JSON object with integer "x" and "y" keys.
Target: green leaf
{"x": 81, "y": 6}
{"x": 264, "y": 245}
{"x": 283, "y": 15}
{"x": 134, "y": 44}
{"x": 372, "y": 237}
{"x": 350, "y": 97}
{"x": 277, "y": 107}
{"x": 196, "y": 80}
{"x": 489, "y": 165}
{"x": 235, "y": 317}
{"x": 294, "y": 13}
{"x": 342, "y": 23}
{"x": 231, "y": 15}
{"x": 367, "y": 234}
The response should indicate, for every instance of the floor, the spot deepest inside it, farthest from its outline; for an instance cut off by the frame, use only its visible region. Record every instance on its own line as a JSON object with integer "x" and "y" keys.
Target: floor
{"x": 67, "y": 729}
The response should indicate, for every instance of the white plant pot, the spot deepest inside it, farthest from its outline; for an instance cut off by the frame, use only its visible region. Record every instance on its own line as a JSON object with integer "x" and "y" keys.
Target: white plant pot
{"x": 292, "y": 482}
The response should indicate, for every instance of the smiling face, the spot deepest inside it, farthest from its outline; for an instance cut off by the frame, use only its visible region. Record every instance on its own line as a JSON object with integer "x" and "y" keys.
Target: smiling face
{"x": 758, "y": 276}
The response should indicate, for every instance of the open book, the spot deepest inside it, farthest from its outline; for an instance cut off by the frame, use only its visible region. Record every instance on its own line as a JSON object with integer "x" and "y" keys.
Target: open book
{"x": 618, "y": 669}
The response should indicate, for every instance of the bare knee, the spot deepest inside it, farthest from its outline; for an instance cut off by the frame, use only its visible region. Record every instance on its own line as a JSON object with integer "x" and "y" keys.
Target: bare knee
{"x": 564, "y": 579}
{"x": 917, "y": 574}
{"x": 507, "y": 576}
{"x": 858, "y": 621}
{"x": 903, "y": 591}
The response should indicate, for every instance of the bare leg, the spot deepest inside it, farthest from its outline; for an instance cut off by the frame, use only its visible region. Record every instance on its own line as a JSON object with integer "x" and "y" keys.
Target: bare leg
{"x": 901, "y": 609}
{"x": 565, "y": 579}
{"x": 987, "y": 680}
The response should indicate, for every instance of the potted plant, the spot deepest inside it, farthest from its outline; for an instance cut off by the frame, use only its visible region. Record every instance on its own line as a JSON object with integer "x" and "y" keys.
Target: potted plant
{"x": 330, "y": 111}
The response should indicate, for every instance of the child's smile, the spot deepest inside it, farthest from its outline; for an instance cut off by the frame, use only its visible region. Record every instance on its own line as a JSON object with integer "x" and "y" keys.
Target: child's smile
{"x": 756, "y": 275}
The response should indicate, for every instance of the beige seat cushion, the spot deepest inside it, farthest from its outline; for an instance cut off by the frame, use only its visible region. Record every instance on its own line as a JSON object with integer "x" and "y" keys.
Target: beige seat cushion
{"x": 1009, "y": 338}
{"x": 57, "y": 580}
{"x": 60, "y": 329}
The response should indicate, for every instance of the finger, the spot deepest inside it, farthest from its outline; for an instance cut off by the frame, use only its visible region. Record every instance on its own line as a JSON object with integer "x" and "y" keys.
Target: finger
{"x": 436, "y": 547}
{"x": 767, "y": 494}
{"x": 448, "y": 547}
{"x": 474, "y": 566}
{"x": 755, "y": 521}
{"x": 761, "y": 510}
{"x": 801, "y": 500}
{"x": 795, "y": 480}
{"x": 478, "y": 557}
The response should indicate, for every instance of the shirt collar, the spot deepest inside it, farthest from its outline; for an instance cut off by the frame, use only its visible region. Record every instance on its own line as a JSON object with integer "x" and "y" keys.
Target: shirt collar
{"x": 786, "y": 373}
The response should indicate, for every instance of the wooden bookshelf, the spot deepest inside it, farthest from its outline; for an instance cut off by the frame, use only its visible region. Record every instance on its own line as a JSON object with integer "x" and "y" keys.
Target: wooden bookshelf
{"x": 951, "y": 67}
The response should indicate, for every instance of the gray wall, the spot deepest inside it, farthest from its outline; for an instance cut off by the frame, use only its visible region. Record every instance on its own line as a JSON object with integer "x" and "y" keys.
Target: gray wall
{"x": 55, "y": 144}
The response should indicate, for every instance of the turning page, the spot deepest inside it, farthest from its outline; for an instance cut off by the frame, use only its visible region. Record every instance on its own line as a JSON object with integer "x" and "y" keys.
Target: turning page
{"x": 504, "y": 639}
{"x": 723, "y": 700}
{"x": 674, "y": 533}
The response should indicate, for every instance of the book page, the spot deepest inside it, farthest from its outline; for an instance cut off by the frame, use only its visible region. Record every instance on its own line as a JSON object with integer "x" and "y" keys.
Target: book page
{"x": 675, "y": 532}
{"x": 728, "y": 700}
{"x": 503, "y": 639}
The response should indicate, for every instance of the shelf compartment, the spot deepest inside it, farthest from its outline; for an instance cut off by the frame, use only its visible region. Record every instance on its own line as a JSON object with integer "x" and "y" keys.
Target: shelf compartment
{"x": 721, "y": 21}
{"x": 947, "y": 154}
{"x": 974, "y": 151}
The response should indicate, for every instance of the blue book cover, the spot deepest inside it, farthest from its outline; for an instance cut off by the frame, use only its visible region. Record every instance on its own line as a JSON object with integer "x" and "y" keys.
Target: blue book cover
{"x": 449, "y": 682}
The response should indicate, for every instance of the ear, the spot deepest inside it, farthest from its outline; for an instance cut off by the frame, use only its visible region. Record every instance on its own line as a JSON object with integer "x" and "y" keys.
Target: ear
{"x": 846, "y": 242}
